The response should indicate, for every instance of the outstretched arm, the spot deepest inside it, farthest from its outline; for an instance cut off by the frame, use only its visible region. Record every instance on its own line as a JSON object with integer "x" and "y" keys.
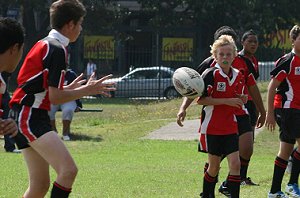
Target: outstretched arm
{"x": 92, "y": 87}
{"x": 182, "y": 110}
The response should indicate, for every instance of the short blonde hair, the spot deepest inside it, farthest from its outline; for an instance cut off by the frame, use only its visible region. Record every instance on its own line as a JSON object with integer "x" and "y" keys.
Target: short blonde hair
{"x": 222, "y": 41}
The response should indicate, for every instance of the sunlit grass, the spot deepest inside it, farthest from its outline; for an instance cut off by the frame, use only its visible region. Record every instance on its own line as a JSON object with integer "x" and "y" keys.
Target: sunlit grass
{"x": 114, "y": 161}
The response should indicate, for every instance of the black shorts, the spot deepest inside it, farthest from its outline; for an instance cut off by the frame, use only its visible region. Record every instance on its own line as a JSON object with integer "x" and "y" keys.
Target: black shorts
{"x": 244, "y": 125}
{"x": 251, "y": 107}
{"x": 282, "y": 136}
{"x": 32, "y": 124}
{"x": 289, "y": 124}
{"x": 220, "y": 145}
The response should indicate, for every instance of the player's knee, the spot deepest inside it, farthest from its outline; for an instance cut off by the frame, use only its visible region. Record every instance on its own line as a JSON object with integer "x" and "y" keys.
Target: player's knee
{"x": 38, "y": 189}
{"x": 69, "y": 172}
{"x": 213, "y": 170}
{"x": 235, "y": 165}
{"x": 247, "y": 153}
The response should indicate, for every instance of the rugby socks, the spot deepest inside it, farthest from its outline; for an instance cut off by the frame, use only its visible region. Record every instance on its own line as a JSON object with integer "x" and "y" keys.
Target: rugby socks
{"x": 209, "y": 184}
{"x": 295, "y": 168}
{"x": 279, "y": 169}
{"x": 233, "y": 182}
{"x": 244, "y": 167}
{"x": 205, "y": 169}
{"x": 59, "y": 191}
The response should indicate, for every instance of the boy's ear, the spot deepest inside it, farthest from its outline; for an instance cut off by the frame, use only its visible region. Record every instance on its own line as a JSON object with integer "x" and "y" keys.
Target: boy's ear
{"x": 15, "y": 48}
{"x": 71, "y": 24}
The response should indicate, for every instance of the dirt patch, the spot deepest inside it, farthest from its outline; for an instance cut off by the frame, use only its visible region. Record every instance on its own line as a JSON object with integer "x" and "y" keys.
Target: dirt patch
{"x": 174, "y": 132}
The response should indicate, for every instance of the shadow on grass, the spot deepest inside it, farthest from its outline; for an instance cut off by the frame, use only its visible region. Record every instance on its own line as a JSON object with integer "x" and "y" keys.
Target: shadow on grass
{"x": 122, "y": 101}
{"x": 84, "y": 137}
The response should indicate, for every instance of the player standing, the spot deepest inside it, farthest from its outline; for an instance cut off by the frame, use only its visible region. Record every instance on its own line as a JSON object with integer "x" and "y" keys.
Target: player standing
{"x": 284, "y": 95}
{"x": 40, "y": 82}
{"x": 222, "y": 99}
{"x": 247, "y": 63}
{"x": 244, "y": 126}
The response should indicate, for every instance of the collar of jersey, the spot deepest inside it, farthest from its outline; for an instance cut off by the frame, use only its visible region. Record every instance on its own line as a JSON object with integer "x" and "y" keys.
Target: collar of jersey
{"x": 234, "y": 74}
{"x": 61, "y": 38}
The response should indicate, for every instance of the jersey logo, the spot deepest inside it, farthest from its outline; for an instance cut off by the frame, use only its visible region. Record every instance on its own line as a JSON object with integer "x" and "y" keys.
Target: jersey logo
{"x": 297, "y": 70}
{"x": 221, "y": 86}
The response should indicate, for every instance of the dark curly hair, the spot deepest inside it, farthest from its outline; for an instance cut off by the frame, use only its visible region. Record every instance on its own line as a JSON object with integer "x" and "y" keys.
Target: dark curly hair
{"x": 225, "y": 30}
{"x": 11, "y": 32}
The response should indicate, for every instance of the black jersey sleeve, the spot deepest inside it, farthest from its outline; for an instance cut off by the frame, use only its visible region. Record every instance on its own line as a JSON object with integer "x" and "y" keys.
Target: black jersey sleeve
{"x": 282, "y": 63}
{"x": 208, "y": 78}
{"x": 250, "y": 66}
{"x": 57, "y": 65}
{"x": 205, "y": 65}
{"x": 55, "y": 62}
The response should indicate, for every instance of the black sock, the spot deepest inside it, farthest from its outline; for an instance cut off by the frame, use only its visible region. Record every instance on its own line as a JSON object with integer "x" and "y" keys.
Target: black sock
{"x": 244, "y": 167}
{"x": 209, "y": 184}
{"x": 279, "y": 168}
{"x": 205, "y": 166}
{"x": 295, "y": 168}
{"x": 59, "y": 191}
{"x": 233, "y": 183}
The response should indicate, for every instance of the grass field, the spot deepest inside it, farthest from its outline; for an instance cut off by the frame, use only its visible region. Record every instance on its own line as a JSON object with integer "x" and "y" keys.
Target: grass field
{"x": 114, "y": 161}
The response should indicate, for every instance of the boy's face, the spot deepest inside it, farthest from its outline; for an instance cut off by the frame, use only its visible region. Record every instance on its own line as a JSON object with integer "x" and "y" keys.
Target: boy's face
{"x": 296, "y": 44}
{"x": 75, "y": 29}
{"x": 11, "y": 58}
{"x": 225, "y": 56}
{"x": 250, "y": 44}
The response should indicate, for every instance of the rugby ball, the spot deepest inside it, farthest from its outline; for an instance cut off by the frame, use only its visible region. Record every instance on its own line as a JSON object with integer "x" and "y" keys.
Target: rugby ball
{"x": 188, "y": 82}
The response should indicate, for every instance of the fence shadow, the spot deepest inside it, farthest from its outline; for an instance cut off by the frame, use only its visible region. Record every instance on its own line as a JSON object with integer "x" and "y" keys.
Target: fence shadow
{"x": 84, "y": 137}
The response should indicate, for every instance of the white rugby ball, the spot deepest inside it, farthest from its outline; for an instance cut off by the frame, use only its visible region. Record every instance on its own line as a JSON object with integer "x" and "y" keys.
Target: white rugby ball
{"x": 188, "y": 82}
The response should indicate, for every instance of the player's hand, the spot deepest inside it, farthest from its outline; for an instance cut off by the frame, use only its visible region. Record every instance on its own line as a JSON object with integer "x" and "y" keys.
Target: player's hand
{"x": 243, "y": 97}
{"x": 77, "y": 82}
{"x": 8, "y": 127}
{"x": 100, "y": 86}
{"x": 180, "y": 117}
{"x": 261, "y": 120}
{"x": 270, "y": 122}
{"x": 235, "y": 102}
{"x": 77, "y": 109}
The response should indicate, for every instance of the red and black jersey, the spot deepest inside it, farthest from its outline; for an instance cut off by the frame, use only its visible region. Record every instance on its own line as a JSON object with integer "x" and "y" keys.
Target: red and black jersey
{"x": 220, "y": 119}
{"x": 287, "y": 71}
{"x": 244, "y": 66}
{"x": 43, "y": 66}
{"x": 254, "y": 62}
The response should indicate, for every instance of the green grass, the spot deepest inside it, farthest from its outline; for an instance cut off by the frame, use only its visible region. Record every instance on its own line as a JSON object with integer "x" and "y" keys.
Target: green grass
{"x": 114, "y": 161}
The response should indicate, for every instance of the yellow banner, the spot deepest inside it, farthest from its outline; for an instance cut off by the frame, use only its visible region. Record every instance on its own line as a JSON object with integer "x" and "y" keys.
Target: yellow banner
{"x": 177, "y": 49}
{"x": 279, "y": 39}
{"x": 99, "y": 47}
